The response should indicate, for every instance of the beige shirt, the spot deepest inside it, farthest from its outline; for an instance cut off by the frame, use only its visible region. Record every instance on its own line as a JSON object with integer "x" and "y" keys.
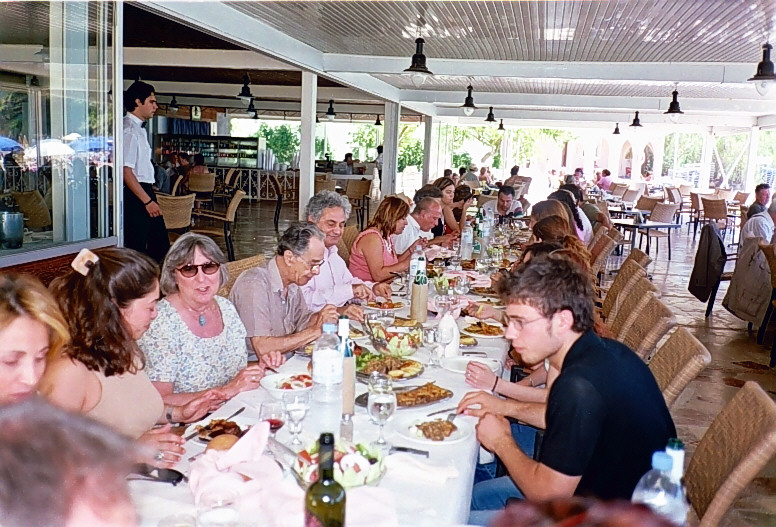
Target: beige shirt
{"x": 266, "y": 309}
{"x": 129, "y": 403}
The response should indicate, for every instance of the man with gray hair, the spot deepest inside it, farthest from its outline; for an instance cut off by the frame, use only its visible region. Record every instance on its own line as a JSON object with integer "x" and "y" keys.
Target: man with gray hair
{"x": 334, "y": 284}
{"x": 269, "y": 297}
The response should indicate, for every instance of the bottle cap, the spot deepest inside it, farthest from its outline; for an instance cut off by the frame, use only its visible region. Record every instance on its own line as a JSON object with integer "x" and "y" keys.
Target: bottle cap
{"x": 675, "y": 444}
{"x": 662, "y": 461}
{"x": 329, "y": 328}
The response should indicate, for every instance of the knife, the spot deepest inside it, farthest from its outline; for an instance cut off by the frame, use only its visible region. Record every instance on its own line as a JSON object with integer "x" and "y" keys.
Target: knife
{"x": 446, "y": 410}
{"x": 408, "y": 450}
{"x": 195, "y": 434}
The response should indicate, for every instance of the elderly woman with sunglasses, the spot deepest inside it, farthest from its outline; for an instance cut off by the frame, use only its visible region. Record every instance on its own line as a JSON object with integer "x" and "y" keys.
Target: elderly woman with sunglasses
{"x": 197, "y": 341}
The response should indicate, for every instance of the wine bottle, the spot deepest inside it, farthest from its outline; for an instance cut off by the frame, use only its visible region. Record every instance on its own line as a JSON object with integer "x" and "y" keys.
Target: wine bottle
{"x": 324, "y": 501}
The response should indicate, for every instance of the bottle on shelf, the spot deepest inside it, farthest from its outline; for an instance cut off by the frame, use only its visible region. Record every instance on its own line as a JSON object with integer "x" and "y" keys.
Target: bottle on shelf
{"x": 657, "y": 490}
{"x": 324, "y": 501}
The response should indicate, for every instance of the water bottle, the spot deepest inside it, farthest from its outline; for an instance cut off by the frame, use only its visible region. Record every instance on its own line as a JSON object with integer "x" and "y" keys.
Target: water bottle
{"x": 327, "y": 366}
{"x": 467, "y": 242}
{"x": 659, "y": 492}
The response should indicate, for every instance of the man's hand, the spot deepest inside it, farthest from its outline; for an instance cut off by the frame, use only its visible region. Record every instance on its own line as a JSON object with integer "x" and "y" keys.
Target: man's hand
{"x": 487, "y": 404}
{"x": 153, "y": 209}
{"x": 493, "y": 431}
{"x": 446, "y": 240}
{"x": 362, "y": 292}
{"x": 352, "y": 311}
{"x": 327, "y": 314}
{"x": 383, "y": 289}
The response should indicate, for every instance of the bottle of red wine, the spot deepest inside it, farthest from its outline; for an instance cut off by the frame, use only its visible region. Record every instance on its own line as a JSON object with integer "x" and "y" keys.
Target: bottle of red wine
{"x": 325, "y": 499}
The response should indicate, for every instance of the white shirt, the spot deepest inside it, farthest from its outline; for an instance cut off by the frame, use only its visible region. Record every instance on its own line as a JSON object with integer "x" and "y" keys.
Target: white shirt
{"x": 411, "y": 232}
{"x": 493, "y": 204}
{"x": 137, "y": 151}
{"x": 587, "y": 227}
{"x": 759, "y": 225}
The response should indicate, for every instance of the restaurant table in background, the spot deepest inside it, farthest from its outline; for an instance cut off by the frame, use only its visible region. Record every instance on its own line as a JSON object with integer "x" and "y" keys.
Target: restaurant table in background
{"x": 646, "y": 225}
{"x": 419, "y": 503}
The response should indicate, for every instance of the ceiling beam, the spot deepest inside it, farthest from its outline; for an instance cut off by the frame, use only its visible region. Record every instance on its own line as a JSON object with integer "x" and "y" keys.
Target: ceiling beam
{"x": 204, "y": 58}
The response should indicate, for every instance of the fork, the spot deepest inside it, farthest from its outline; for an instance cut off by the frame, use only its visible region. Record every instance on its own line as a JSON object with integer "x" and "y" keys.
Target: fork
{"x": 451, "y": 417}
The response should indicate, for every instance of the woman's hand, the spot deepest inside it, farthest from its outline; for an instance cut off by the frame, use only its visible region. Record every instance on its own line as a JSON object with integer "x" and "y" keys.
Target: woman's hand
{"x": 197, "y": 408}
{"x": 273, "y": 359}
{"x": 483, "y": 311}
{"x": 248, "y": 379}
{"x": 480, "y": 376}
{"x": 163, "y": 449}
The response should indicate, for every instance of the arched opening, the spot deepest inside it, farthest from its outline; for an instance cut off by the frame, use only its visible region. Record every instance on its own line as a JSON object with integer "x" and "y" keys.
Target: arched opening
{"x": 626, "y": 160}
{"x": 647, "y": 167}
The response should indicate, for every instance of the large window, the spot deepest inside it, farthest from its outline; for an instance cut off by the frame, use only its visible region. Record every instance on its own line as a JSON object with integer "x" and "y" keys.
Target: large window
{"x": 56, "y": 124}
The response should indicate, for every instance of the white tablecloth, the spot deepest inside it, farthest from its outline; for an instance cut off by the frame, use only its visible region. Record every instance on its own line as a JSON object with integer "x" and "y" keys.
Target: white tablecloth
{"x": 419, "y": 503}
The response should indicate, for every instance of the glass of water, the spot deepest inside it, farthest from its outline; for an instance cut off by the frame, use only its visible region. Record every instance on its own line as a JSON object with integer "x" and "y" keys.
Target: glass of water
{"x": 218, "y": 508}
{"x": 381, "y": 404}
{"x": 296, "y": 405}
{"x": 430, "y": 342}
{"x": 386, "y": 317}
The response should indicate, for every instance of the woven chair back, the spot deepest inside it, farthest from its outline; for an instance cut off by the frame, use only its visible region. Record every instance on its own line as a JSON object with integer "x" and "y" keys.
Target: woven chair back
{"x": 600, "y": 253}
{"x": 631, "y": 195}
{"x": 646, "y": 203}
{"x": 357, "y": 189}
{"x": 598, "y": 232}
{"x": 627, "y": 303}
{"x": 664, "y": 212}
{"x": 640, "y": 257}
{"x": 325, "y": 185}
{"x": 346, "y": 242}
{"x": 735, "y": 448}
{"x": 650, "y": 321}
{"x": 741, "y": 197}
{"x": 678, "y": 361}
{"x": 724, "y": 193}
{"x": 236, "y": 268}
{"x": 618, "y": 189}
{"x": 685, "y": 189}
{"x": 176, "y": 210}
{"x": 202, "y": 182}
{"x": 234, "y": 203}
{"x": 629, "y": 273}
{"x": 714, "y": 208}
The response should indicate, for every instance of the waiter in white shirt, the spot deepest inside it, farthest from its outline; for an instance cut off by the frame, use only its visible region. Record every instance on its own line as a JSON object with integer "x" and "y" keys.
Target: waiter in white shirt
{"x": 144, "y": 228}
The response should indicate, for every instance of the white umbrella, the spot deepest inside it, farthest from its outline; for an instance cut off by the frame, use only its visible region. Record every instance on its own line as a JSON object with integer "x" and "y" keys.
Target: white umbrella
{"x": 49, "y": 148}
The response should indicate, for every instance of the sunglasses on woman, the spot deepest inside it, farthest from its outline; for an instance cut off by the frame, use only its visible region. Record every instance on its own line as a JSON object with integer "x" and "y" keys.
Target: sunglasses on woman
{"x": 191, "y": 270}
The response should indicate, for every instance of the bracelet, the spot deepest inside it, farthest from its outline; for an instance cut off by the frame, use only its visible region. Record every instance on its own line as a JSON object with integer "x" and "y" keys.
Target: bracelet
{"x": 147, "y": 202}
{"x": 531, "y": 381}
{"x": 168, "y": 413}
{"x": 494, "y": 385}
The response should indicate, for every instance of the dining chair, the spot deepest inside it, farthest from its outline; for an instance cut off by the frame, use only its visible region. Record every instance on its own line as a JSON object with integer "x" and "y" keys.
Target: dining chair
{"x": 280, "y": 194}
{"x": 649, "y": 322}
{"x": 770, "y": 255}
{"x": 345, "y": 244}
{"x": 225, "y": 189}
{"x": 646, "y": 203}
{"x": 599, "y": 256}
{"x": 716, "y": 210}
{"x": 203, "y": 185}
{"x": 629, "y": 273}
{"x": 226, "y": 219}
{"x": 236, "y": 268}
{"x": 357, "y": 191}
{"x": 176, "y": 211}
{"x": 674, "y": 196}
{"x": 639, "y": 256}
{"x": 600, "y": 230}
{"x": 176, "y": 186}
{"x": 741, "y": 197}
{"x": 677, "y": 362}
{"x": 631, "y": 195}
{"x": 661, "y": 213}
{"x": 618, "y": 189}
{"x": 735, "y": 448}
{"x": 627, "y": 303}
{"x": 724, "y": 193}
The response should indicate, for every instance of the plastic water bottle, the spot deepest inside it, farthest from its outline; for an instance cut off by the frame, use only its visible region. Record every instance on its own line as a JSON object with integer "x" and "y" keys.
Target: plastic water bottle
{"x": 327, "y": 366}
{"x": 659, "y": 492}
{"x": 467, "y": 242}
{"x": 417, "y": 263}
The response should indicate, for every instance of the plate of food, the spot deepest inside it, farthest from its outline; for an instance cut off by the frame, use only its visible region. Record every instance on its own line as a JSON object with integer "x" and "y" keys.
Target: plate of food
{"x": 388, "y": 304}
{"x": 468, "y": 265}
{"x": 354, "y": 465}
{"x": 483, "y": 291}
{"x": 357, "y": 334}
{"x": 217, "y": 427}
{"x": 493, "y": 302}
{"x": 429, "y": 430}
{"x": 459, "y": 364}
{"x": 467, "y": 341}
{"x": 397, "y": 368}
{"x": 399, "y": 341}
{"x": 483, "y": 330}
{"x": 402, "y": 322}
{"x": 413, "y": 396}
{"x": 280, "y": 383}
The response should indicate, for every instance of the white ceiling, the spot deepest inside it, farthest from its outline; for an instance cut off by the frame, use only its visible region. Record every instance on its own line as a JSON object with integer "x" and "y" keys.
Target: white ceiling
{"x": 534, "y": 61}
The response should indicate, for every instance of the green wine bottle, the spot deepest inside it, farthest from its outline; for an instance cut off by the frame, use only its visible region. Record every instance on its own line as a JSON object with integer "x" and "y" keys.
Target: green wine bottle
{"x": 324, "y": 501}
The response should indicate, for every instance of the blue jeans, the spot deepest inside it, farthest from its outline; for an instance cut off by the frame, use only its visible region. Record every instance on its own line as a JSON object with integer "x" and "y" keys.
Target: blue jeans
{"x": 524, "y": 436}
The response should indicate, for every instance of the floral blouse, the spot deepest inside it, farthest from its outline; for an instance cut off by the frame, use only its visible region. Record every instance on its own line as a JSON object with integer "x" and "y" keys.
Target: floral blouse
{"x": 174, "y": 354}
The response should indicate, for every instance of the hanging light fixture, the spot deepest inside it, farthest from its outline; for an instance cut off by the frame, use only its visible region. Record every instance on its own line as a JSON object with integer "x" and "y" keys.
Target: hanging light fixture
{"x": 245, "y": 94}
{"x": 673, "y": 109}
{"x": 765, "y": 77}
{"x": 490, "y": 118}
{"x": 316, "y": 119}
{"x": 616, "y": 129}
{"x": 251, "y": 108}
{"x": 468, "y": 104}
{"x": 418, "y": 71}
{"x": 173, "y": 106}
{"x": 501, "y": 126}
{"x": 330, "y": 115}
{"x": 377, "y": 121}
{"x": 636, "y": 121}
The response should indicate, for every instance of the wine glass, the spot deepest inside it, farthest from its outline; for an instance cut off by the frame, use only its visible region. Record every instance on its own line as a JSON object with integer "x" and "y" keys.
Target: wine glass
{"x": 381, "y": 404}
{"x": 218, "y": 508}
{"x": 272, "y": 412}
{"x": 296, "y": 405}
{"x": 443, "y": 303}
{"x": 430, "y": 341}
{"x": 445, "y": 336}
{"x": 386, "y": 317}
{"x": 462, "y": 285}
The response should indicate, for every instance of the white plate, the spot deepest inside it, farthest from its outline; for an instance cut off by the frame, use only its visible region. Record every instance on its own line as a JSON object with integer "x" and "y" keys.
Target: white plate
{"x": 271, "y": 382}
{"x": 480, "y": 336}
{"x": 374, "y": 308}
{"x": 402, "y": 425}
{"x": 458, "y": 364}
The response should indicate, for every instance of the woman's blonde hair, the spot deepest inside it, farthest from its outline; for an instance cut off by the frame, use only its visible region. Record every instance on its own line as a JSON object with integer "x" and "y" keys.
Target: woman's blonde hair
{"x": 555, "y": 229}
{"x": 551, "y": 207}
{"x": 388, "y": 214}
{"x": 23, "y": 295}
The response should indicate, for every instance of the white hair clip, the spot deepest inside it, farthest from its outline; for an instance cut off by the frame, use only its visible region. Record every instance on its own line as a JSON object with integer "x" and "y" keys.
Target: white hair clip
{"x": 84, "y": 261}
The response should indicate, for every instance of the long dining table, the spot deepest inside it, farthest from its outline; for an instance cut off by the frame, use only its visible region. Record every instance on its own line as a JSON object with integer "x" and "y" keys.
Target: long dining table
{"x": 418, "y": 503}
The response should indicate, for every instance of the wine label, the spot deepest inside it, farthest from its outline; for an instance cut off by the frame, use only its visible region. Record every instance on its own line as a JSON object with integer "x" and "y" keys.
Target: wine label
{"x": 312, "y": 521}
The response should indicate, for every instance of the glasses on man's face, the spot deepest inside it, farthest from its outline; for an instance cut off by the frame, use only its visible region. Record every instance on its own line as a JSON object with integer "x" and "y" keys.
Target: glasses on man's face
{"x": 312, "y": 266}
{"x": 191, "y": 270}
{"x": 520, "y": 324}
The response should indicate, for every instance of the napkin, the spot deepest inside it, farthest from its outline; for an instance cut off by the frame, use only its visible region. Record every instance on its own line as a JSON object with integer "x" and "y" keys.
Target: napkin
{"x": 478, "y": 279}
{"x": 409, "y": 467}
{"x": 455, "y": 312}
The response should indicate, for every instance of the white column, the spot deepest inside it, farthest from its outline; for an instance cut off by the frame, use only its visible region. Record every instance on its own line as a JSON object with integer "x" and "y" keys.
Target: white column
{"x": 390, "y": 147}
{"x": 429, "y": 165}
{"x": 588, "y": 152}
{"x": 706, "y": 157}
{"x": 751, "y": 160}
{"x": 307, "y": 154}
{"x": 658, "y": 149}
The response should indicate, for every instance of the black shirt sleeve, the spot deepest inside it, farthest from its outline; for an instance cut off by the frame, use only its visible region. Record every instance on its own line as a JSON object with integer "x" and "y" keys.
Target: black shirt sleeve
{"x": 574, "y": 419}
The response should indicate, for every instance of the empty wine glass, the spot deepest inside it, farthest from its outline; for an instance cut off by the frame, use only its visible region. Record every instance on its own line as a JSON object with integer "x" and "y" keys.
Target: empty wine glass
{"x": 430, "y": 342}
{"x": 272, "y": 412}
{"x": 443, "y": 303}
{"x": 445, "y": 336}
{"x": 386, "y": 317}
{"x": 296, "y": 405}
{"x": 381, "y": 404}
{"x": 462, "y": 285}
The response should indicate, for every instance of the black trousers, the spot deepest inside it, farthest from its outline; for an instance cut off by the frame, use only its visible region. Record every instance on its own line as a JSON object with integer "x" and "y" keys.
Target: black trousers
{"x": 142, "y": 232}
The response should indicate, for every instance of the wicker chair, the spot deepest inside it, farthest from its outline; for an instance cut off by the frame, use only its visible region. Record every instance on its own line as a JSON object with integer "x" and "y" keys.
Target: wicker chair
{"x": 627, "y": 276}
{"x": 226, "y": 190}
{"x": 226, "y": 218}
{"x": 678, "y": 361}
{"x": 628, "y": 302}
{"x": 204, "y": 185}
{"x": 176, "y": 211}
{"x": 696, "y": 213}
{"x": 649, "y": 323}
{"x": 663, "y": 213}
{"x": 646, "y": 203}
{"x": 236, "y": 268}
{"x": 715, "y": 209}
{"x": 631, "y": 195}
{"x": 640, "y": 257}
{"x": 741, "y": 197}
{"x": 357, "y": 192}
{"x": 598, "y": 232}
{"x": 599, "y": 255}
{"x": 346, "y": 242}
{"x": 319, "y": 185}
{"x": 724, "y": 194}
{"x": 738, "y": 444}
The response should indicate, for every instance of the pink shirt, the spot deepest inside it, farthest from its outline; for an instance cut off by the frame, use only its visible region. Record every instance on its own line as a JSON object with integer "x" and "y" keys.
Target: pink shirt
{"x": 358, "y": 265}
{"x": 332, "y": 285}
{"x": 604, "y": 183}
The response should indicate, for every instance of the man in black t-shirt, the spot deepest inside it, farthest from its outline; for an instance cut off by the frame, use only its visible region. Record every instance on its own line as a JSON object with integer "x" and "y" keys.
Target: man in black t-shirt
{"x": 604, "y": 416}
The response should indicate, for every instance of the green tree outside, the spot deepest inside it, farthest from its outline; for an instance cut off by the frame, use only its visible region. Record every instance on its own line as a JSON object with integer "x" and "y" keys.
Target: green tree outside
{"x": 282, "y": 140}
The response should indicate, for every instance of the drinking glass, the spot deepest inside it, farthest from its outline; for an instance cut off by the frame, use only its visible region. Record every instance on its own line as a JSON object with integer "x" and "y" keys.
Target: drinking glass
{"x": 445, "y": 336}
{"x": 462, "y": 285}
{"x": 455, "y": 262}
{"x": 272, "y": 412}
{"x": 381, "y": 404}
{"x": 430, "y": 342}
{"x": 456, "y": 247}
{"x": 218, "y": 508}
{"x": 296, "y": 405}
{"x": 386, "y": 317}
{"x": 443, "y": 303}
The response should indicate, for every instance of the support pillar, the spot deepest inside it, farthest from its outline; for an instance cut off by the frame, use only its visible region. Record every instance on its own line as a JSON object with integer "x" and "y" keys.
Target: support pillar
{"x": 706, "y": 157}
{"x": 750, "y": 178}
{"x": 428, "y": 165}
{"x": 307, "y": 153}
{"x": 390, "y": 147}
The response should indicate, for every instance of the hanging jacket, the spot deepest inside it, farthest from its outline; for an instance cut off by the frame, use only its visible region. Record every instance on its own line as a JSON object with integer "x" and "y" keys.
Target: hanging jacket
{"x": 709, "y": 263}
{"x": 749, "y": 291}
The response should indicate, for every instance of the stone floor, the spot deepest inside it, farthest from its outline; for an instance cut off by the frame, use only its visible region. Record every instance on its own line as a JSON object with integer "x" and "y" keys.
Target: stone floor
{"x": 736, "y": 357}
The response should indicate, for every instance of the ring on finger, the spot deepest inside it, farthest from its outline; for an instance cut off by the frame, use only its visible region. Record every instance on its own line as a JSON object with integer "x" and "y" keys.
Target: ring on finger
{"x": 159, "y": 455}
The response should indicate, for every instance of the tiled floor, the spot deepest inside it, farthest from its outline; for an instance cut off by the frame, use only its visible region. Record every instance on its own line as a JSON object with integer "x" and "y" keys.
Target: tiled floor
{"x": 736, "y": 357}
